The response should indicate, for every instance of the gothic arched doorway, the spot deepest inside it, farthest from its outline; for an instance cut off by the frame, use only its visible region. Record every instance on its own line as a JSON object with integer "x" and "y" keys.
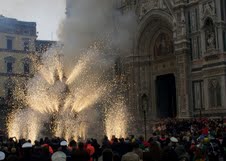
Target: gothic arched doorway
{"x": 156, "y": 53}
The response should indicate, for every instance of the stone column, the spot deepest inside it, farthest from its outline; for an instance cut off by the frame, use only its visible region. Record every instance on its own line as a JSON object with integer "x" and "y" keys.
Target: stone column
{"x": 182, "y": 75}
{"x": 182, "y": 81}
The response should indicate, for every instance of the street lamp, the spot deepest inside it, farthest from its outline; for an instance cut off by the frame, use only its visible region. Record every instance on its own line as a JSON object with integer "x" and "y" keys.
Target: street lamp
{"x": 144, "y": 108}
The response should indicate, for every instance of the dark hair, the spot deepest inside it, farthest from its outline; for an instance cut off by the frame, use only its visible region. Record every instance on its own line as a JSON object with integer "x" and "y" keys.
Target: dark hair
{"x": 80, "y": 145}
{"x": 130, "y": 147}
{"x": 135, "y": 145}
{"x": 116, "y": 157}
{"x": 107, "y": 155}
{"x": 72, "y": 143}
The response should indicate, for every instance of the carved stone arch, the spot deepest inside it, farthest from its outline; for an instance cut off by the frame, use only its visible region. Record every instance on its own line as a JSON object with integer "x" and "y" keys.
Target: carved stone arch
{"x": 149, "y": 16}
{"x": 148, "y": 25}
{"x": 146, "y": 39}
{"x": 208, "y": 10}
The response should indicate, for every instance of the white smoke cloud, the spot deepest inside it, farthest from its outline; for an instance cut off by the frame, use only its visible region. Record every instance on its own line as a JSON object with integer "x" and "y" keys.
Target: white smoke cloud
{"x": 96, "y": 21}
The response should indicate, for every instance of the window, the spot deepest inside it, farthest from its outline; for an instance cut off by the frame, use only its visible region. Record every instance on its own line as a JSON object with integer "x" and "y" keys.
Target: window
{"x": 26, "y": 68}
{"x": 214, "y": 93}
{"x": 199, "y": 47}
{"x": 26, "y": 45}
{"x": 9, "y": 44}
{"x": 9, "y": 63}
{"x": 9, "y": 88}
{"x": 198, "y": 94}
{"x": 190, "y": 40}
{"x": 224, "y": 40}
{"x": 189, "y": 22}
{"x": 195, "y": 53}
{"x": 193, "y": 19}
{"x": 222, "y": 10}
{"x": 197, "y": 19}
{"x": 195, "y": 48}
{"x": 9, "y": 92}
{"x": 9, "y": 67}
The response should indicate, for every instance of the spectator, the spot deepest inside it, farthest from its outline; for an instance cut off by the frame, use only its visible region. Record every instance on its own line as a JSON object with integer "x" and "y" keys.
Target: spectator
{"x": 80, "y": 154}
{"x": 12, "y": 156}
{"x": 107, "y": 155}
{"x": 59, "y": 156}
{"x": 2, "y": 155}
{"x": 130, "y": 156}
{"x": 154, "y": 153}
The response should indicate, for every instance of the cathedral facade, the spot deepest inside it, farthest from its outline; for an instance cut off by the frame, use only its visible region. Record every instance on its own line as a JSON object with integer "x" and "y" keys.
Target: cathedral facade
{"x": 177, "y": 68}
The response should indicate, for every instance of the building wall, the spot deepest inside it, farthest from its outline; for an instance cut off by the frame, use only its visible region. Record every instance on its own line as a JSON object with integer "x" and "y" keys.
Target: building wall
{"x": 198, "y": 60}
{"x": 17, "y": 55}
{"x": 197, "y": 29}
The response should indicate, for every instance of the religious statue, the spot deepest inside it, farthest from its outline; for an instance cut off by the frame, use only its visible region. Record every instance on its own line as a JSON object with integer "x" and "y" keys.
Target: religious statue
{"x": 210, "y": 39}
{"x": 210, "y": 35}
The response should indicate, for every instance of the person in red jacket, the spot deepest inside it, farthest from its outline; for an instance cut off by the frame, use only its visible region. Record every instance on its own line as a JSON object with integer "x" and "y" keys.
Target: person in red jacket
{"x": 90, "y": 149}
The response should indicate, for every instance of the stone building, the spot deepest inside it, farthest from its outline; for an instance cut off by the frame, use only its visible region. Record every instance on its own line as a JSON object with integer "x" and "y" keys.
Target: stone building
{"x": 17, "y": 43}
{"x": 177, "y": 67}
{"x": 18, "y": 47}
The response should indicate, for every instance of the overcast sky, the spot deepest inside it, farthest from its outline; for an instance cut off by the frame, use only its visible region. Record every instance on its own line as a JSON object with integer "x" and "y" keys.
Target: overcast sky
{"x": 46, "y": 13}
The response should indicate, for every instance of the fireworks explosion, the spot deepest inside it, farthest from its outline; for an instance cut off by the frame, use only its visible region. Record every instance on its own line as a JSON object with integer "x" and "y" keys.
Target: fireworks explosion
{"x": 72, "y": 92}
{"x": 59, "y": 103}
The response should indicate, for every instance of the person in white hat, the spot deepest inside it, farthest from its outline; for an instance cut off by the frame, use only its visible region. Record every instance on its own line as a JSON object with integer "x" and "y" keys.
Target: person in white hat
{"x": 59, "y": 156}
{"x": 27, "y": 145}
{"x": 26, "y": 151}
{"x": 63, "y": 143}
{"x": 64, "y": 148}
{"x": 2, "y": 155}
{"x": 174, "y": 142}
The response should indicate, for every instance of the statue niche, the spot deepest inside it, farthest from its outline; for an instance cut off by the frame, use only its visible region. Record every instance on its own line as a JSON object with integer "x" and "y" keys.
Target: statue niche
{"x": 163, "y": 45}
{"x": 210, "y": 34}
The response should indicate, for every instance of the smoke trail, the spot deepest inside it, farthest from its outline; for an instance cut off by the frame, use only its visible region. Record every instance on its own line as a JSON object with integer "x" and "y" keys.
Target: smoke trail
{"x": 96, "y": 21}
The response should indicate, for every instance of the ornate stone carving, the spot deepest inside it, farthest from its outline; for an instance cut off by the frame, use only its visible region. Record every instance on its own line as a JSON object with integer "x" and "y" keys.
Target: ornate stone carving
{"x": 163, "y": 45}
{"x": 148, "y": 5}
{"x": 208, "y": 9}
{"x": 180, "y": 25}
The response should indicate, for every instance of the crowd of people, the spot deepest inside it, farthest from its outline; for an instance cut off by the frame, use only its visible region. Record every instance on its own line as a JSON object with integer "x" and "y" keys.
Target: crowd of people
{"x": 171, "y": 140}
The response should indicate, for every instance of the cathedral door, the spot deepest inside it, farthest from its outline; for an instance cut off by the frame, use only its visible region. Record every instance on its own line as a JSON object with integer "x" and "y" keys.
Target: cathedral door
{"x": 166, "y": 96}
